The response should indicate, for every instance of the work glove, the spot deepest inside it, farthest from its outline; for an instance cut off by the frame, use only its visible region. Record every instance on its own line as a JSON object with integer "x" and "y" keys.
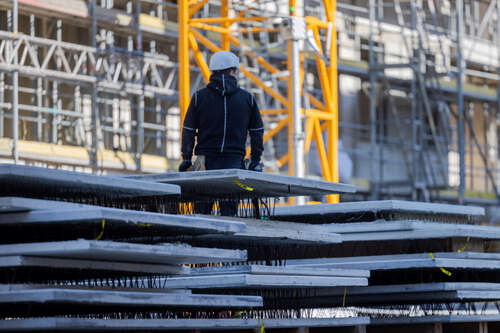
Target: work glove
{"x": 185, "y": 165}
{"x": 256, "y": 166}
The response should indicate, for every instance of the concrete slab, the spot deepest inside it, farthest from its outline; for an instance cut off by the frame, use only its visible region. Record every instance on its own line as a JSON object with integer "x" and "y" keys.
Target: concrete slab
{"x": 422, "y": 293}
{"x": 80, "y": 266}
{"x": 261, "y": 281}
{"x": 278, "y": 270}
{"x": 463, "y": 260}
{"x": 123, "y": 299}
{"x": 370, "y": 210}
{"x": 124, "y": 252}
{"x": 235, "y": 183}
{"x": 272, "y": 232}
{"x": 435, "y": 319}
{"x": 120, "y": 325}
{"x": 33, "y": 180}
{"x": 18, "y": 204}
{"x": 126, "y": 221}
{"x": 402, "y": 230}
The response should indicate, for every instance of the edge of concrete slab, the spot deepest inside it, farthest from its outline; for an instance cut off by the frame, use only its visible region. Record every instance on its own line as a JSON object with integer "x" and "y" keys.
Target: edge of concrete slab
{"x": 164, "y": 324}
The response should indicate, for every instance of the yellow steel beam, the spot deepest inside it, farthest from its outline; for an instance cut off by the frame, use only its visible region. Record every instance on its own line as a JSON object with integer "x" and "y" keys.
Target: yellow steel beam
{"x": 326, "y": 111}
{"x": 323, "y": 158}
{"x": 319, "y": 114}
{"x": 205, "y": 41}
{"x": 273, "y": 111}
{"x": 314, "y": 21}
{"x": 322, "y": 71}
{"x": 254, "y": 56}
{"x": 282, "y": 99}
{"x": 309, "y": 133}
{"x": 283, "y": 160}
{"x": 214, "y": 48}
{"x": 257, "y": 29}
{"x": 192, "y": 10}
{"x": 209, "y": 27}
{"x": 198, "y": 57}
{"x": 291, "y": 169}
{"x": 272, "y": 132}
{"x": 183, "y": 55}
{"x": 332, "y": 129}
{"x": 225, "y": 23}
{"x": 226, "y": 20}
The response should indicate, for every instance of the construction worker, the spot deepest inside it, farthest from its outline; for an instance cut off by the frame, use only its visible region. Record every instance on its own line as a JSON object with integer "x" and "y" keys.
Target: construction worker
{"x": 221, "y": 116}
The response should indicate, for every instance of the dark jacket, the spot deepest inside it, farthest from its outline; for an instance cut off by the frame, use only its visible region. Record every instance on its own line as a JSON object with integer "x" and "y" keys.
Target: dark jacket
{"x": 221, "y": 116}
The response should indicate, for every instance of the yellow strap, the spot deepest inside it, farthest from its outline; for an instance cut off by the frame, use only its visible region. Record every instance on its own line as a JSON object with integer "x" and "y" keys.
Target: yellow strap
{"x": 465, "y": 245}
{"x": 248, "y": 188}
{"x": 441, "y": 268}
{"x": 102, "y": 231}
{"x": 146, "y": 225}
{"x": 262, "y": 327}
{"x": 343, "y": 299}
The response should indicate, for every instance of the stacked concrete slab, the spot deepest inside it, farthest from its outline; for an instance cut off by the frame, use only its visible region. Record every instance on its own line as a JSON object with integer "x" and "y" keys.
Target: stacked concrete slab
{"x": 67, "y": 258}
{"x": 121, "y": 253}
{"x": 421, "y": 256}
{"x": 93, "y": 253}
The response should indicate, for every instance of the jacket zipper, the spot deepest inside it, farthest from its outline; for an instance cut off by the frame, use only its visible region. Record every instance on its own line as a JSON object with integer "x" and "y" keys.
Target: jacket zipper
{"x": 225, "y": 113}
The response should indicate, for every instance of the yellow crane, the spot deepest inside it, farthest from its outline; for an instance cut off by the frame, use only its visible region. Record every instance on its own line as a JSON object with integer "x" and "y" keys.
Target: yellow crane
{"x": 320, "y": 117}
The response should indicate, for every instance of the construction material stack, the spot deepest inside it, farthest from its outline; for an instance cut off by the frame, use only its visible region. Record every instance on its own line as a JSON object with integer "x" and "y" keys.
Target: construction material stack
{"x": 95, "y": 253}
{"x": 431, "y": 265}
{"x": 67, "y": 262}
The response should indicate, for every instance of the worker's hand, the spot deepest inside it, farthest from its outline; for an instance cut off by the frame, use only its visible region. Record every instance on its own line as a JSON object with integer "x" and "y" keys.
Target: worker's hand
{"x": 185, "y": 165}
{"x": 256, "y": 166}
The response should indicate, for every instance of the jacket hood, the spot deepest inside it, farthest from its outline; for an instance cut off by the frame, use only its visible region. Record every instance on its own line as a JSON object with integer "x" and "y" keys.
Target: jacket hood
{"x": 223, "y": 84}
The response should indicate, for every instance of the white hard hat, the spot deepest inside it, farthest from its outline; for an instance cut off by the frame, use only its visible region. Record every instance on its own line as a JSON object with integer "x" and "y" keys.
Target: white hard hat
{"x": 223, "y": 60}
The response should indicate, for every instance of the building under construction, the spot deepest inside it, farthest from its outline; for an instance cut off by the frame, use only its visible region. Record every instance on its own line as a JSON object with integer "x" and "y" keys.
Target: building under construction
{"x": 390, "y": 107}
{"x": 102, "y": 85}
{"x": 94, "y": 85}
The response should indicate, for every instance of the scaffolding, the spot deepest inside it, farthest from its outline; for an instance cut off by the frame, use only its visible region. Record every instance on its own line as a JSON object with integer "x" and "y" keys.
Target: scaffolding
{"x": 98, "y": 86}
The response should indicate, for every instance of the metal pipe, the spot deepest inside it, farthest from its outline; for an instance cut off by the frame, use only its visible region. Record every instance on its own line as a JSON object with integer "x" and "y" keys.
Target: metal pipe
{"x": 460, "y": 101}
{"x": 498, "y": 70}
{"x": 298, "y": 135}
{"x": 38, "y": 90}
{"x": 15, "y": 90}
{"x": 140, "y": 116}
{"x": 2, "y": 100}
{"x": 373, "y": 116}
{"x": 95, "y": 106}
{"x": 56, "y": 101}
{"x": 183, "y": 58}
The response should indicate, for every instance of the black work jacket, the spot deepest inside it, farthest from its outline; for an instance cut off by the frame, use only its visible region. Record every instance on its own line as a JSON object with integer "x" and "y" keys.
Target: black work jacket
{"x": 221, "y": 116}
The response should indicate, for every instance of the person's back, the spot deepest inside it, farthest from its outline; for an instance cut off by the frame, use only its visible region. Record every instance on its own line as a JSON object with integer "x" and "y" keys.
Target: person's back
{"x": 221, "y": 116}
